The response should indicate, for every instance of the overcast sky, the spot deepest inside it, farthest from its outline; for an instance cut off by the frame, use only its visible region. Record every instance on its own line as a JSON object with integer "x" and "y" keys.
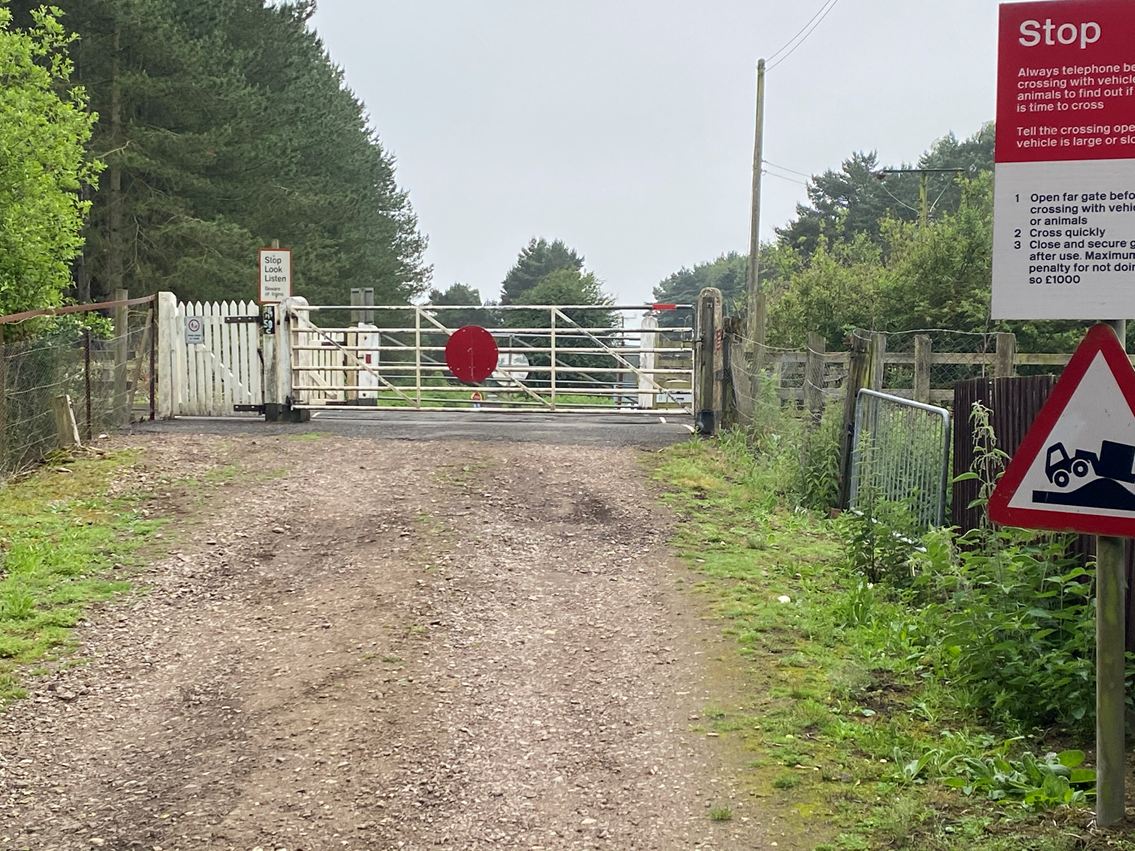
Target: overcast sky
{"x": 625, "y": 127}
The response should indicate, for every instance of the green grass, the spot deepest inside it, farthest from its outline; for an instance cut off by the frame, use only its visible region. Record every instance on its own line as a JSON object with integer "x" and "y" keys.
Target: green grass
{"x": 64, "y": 545}
{"x": 831, "y": 721}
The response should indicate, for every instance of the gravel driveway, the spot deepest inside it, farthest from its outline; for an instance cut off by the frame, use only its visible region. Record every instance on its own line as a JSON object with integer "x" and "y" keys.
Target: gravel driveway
{"x": 375, "y": 644}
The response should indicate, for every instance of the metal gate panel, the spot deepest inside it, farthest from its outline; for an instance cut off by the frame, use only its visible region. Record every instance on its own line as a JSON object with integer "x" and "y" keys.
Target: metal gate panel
{"x": 901, "y": 453}
{"x": 552, "y": 358}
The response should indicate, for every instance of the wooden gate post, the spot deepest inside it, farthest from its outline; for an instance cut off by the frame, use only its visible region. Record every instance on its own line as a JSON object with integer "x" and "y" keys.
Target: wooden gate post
{"x": 878, "y": 361}
{"x": 814, "y": 377}
{"x": 65, "y": 427}
{"x": 121, "y": 356}
{"x": 923, "y": 351}
{"x": 708, "y": 368}
{"x": 859, "y": 375}
{"x": 730, "y": 411}
{"x": 1006, "y": 355}
{"x": 167, "y": 356}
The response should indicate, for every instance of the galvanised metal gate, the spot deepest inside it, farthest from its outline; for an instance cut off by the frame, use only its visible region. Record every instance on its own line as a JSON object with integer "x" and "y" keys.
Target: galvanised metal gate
{"x": 552, "y": 358}
{"x": 901, "y": 453}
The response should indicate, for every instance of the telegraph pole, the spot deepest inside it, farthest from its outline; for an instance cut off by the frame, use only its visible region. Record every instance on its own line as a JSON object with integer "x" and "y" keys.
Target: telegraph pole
{"x": 755, "y": 333}
{"x": 923, "y": 187}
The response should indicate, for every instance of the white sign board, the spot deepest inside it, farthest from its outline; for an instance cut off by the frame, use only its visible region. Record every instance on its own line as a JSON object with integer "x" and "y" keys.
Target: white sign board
{"x": 275, "y": 275}
{"x": 194, "y": 331}
{"x": 1064, "y": 221}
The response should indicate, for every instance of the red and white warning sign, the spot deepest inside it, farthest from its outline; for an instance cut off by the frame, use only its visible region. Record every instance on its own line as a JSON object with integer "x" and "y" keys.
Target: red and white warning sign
{"x": 1075, "y": 469}
{"x": 1064, "y": 220}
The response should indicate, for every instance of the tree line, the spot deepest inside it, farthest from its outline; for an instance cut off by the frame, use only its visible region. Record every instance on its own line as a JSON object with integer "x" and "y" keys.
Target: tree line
{"x": 183, "y": 136}
{"x": 858, "y": 256}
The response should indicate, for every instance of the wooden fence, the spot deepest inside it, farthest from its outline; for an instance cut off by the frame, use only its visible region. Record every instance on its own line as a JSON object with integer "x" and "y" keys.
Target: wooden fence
{"x": 795, "y": 373}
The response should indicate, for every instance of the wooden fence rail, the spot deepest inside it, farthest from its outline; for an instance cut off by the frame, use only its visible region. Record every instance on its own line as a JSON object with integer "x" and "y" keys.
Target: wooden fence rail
{"x": 799, "y": 375}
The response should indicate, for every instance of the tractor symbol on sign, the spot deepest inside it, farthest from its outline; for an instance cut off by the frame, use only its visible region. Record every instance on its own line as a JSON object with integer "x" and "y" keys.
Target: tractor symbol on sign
{"x": 1116, "y": 461}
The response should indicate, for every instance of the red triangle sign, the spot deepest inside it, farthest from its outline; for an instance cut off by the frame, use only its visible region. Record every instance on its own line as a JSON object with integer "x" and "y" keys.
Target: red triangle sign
{"x": 1075, "y": 469}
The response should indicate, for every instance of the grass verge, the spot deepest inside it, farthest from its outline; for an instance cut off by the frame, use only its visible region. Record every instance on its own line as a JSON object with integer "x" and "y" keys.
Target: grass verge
{"x": 847, "y": 738}
{"x": 65, "y": 544}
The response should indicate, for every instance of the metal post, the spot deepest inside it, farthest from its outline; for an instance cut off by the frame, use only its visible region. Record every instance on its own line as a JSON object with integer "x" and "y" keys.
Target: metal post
{"x": 1110, "y": 652}
{"x": 553, "y": 373}
{"x": 418, "y": 356}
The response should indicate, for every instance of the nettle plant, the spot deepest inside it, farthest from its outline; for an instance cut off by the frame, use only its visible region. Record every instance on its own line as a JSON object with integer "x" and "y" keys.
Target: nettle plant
{"x": 1002, "y": 618}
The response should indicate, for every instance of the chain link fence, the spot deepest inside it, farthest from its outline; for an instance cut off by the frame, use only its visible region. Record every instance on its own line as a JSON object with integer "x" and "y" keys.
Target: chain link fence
{"x": 902, "y": 346}
{"x": 107, "y": 374}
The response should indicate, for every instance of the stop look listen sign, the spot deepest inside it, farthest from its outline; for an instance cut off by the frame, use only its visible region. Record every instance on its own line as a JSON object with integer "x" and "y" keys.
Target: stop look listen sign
{"x": 1064, "y": 223}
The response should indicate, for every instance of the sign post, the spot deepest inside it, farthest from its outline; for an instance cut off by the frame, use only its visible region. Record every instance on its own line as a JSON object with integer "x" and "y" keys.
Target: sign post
{"x": 1075, "y": 472}
{"x": 1064, "y": 248}
{"x": 1111, "y": 657}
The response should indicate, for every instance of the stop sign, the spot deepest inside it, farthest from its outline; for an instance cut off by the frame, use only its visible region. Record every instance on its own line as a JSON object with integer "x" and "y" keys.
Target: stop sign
{"x": 471, "y": 354}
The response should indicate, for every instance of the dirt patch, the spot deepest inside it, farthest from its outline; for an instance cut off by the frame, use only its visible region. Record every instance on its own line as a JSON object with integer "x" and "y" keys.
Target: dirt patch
{"x": 392, "y": 645}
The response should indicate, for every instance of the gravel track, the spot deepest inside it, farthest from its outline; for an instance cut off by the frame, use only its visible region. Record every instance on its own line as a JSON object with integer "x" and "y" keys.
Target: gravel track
{"x": 393, "y": 645}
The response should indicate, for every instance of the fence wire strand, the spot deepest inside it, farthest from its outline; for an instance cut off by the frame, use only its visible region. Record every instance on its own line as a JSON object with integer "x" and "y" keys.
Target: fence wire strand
{"x": 113, "y": 391}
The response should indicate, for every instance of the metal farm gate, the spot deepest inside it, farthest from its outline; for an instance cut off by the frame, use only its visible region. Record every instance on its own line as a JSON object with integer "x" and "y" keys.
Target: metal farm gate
{"x": 551, "y": 358}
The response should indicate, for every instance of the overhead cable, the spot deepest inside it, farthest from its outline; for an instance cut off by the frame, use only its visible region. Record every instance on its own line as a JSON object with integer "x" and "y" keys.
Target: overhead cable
{"x": 818, "y": 18}
{"x": 789, "y": 170}
{"x": 782, "y": 177}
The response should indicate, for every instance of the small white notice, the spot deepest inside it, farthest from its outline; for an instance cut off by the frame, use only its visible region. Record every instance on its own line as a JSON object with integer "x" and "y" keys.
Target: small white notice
{"x": 275, "y": 275}
{"x": 194, "y": 331}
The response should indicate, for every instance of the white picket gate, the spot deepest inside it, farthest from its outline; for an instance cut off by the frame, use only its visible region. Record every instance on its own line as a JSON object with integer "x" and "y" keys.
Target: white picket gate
{"x": 224, "y": 370}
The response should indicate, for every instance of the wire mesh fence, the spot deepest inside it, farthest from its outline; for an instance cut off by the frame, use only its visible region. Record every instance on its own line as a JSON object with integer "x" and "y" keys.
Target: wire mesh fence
{"x": 107, "y": 376}
{"x": 978, "y": 353}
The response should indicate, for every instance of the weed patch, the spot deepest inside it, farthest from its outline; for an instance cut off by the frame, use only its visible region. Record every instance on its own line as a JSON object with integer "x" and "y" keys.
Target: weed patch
{"x": 859, "y": 716}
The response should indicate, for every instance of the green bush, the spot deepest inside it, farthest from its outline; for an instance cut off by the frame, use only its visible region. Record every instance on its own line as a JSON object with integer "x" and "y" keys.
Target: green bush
{"x": 1010, "y": 619}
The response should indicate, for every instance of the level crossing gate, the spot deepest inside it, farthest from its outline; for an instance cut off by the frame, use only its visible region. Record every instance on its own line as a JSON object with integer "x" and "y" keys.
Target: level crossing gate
{"x": 551, "y": 358}
{"x": 209, "y": 358}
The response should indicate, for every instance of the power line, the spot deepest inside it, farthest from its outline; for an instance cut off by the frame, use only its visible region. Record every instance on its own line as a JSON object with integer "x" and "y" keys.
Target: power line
{"x": 782, "y": 49}
{"x": 826, "y": 12}
{"x": 899, "y": 200}
{"x": 789, "y": 170}
{"x": 789, "y": 179}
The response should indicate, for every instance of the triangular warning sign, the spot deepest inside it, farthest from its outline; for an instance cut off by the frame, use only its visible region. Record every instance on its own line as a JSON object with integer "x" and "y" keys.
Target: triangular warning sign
{"x": 1075, "y": 469}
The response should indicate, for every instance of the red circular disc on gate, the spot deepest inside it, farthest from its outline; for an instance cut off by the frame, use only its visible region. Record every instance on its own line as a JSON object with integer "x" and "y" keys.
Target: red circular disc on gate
{"x": 471, "y": 354}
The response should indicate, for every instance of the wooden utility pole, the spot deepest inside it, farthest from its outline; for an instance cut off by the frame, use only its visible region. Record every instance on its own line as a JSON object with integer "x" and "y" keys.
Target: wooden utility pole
{"x": 755, "y": 332}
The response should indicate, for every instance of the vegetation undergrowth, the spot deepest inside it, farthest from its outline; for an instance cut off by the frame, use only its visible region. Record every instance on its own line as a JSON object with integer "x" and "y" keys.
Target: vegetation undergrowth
{"x": 940, "y": 702}
{"x": 65, "y": 543}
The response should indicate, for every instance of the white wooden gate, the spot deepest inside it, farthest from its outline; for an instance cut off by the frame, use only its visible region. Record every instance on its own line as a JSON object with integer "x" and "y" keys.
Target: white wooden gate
{"x": 222, "y": 373}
